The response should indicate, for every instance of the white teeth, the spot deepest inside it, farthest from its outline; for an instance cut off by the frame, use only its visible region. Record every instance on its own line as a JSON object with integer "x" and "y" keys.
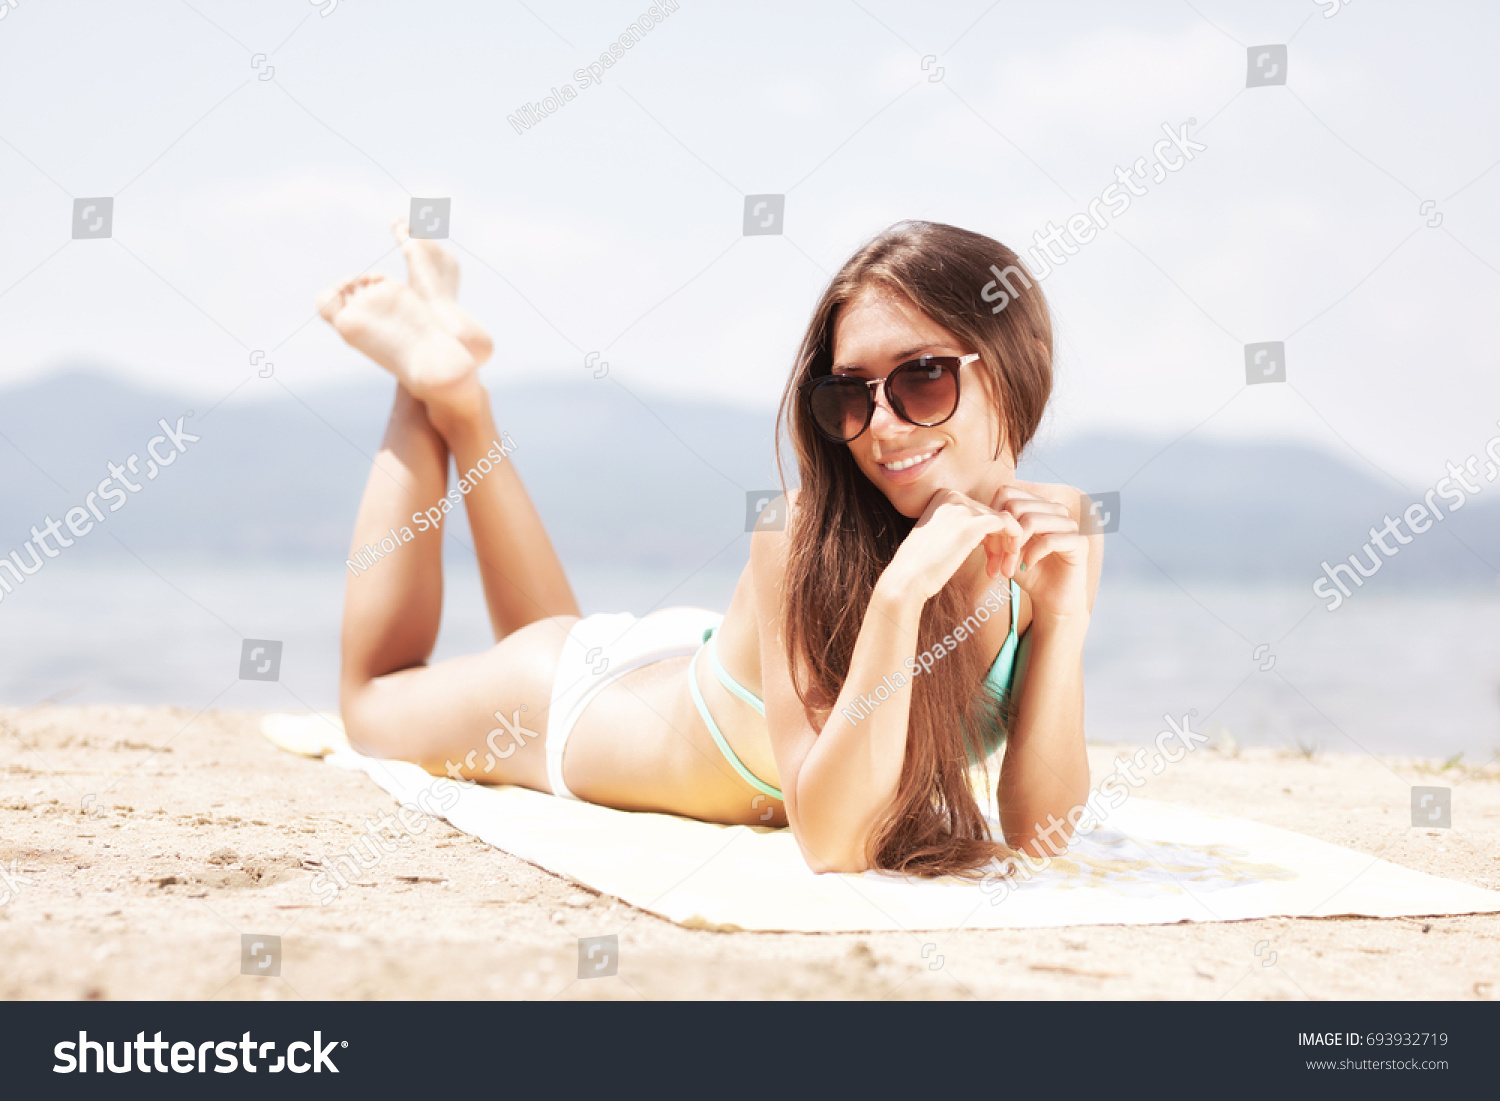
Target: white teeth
{"x": 906, "y": 464}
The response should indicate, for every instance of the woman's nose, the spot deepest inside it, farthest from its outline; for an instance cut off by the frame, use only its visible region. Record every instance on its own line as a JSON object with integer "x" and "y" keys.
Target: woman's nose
{"x": 884, "y": 422}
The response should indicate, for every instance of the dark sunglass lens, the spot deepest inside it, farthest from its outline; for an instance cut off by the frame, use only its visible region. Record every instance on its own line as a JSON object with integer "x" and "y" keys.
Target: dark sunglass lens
{"x": 926, "y": 392}
{"x": 839, "y": 408}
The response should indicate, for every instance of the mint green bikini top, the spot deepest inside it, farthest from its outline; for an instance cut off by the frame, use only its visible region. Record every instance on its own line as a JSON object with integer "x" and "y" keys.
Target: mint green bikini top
{"x": 999, "y": 681}
{"x": 1002, "y": 675}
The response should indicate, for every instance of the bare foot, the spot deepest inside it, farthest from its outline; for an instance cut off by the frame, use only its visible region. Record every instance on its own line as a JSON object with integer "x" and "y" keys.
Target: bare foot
{"x": 433, "y": 273}
{"x": 397, "y": 328}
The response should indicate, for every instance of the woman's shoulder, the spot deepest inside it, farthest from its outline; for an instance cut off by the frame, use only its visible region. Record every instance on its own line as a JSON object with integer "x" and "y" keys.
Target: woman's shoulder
{"x": 770, "y": 513}
{"x": 768, "y": 520}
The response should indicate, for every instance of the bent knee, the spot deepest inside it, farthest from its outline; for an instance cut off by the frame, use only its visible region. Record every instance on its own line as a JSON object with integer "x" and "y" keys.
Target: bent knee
{"x": 370, "y": 725}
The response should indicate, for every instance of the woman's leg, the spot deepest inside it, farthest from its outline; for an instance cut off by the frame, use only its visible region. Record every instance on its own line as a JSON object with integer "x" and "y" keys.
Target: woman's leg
{"x": 393, "y": 704}
{"x": 392, "y": 609}
{"x": 521, "y": 573}
{"x": 485, "y": 716}
{"x": 523, "y": 578}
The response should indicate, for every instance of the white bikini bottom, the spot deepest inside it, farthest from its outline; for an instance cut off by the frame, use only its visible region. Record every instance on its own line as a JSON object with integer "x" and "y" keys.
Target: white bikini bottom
{"x": 599, "y": 651}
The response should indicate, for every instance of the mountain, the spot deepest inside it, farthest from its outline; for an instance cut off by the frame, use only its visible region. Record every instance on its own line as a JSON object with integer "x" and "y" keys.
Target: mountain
{"x": 651, "y": 482}
{"x": 1257, "y": 512}
{"x": 655, "y": 482}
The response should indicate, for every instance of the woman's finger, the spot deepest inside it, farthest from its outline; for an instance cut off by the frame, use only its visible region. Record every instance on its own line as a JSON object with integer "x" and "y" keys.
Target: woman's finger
{"x": 976, "y": 518}
{"x": 998, "y": 534}
{"x": 995, "y": 550}
{"x": 1008, "y": 493}
{"x": 1035, "y": 508}
{"x": 1033, "y": 526}
{"x": 1014, "y": 538}
{"x": 1069, "y": 545}
{"x": 1001, "y": 541}
{"x": 1041, "y": 523}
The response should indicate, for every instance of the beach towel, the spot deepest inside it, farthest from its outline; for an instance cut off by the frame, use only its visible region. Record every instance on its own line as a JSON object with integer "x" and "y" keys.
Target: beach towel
{"x": 1149, "y": 863}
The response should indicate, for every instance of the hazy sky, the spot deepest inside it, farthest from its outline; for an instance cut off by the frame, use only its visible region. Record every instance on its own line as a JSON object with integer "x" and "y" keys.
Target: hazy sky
{"x": 615, "y": 224}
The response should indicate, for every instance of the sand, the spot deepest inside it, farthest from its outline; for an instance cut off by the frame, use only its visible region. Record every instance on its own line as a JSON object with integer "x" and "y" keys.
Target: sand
{"x": 138, "y": 844}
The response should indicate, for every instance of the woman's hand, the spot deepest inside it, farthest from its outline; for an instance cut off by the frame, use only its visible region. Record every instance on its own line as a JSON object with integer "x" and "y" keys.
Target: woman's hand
{"x": 1055, "y": 553}
{"x": 947, "y": 533}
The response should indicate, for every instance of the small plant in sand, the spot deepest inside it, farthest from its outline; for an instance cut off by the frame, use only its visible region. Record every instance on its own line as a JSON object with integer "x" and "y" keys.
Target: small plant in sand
{"x": 1224, "y": 742}
{"x": 1489, "y": 770}
{"x": 1304, "y": 750}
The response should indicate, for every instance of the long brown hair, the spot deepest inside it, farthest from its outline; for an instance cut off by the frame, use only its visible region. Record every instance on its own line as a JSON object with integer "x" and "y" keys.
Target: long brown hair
{"x": 846, "y": 531}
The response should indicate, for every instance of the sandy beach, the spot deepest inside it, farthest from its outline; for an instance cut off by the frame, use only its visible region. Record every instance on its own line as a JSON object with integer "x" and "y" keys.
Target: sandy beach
{"x": 139, "y": 843}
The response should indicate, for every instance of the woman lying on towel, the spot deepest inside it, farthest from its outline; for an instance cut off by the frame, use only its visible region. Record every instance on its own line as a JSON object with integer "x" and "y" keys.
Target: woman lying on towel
{"x": 905, "y": 612}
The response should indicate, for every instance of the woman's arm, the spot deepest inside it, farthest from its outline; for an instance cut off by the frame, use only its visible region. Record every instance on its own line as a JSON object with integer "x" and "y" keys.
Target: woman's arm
{"x": 839, "y": 782}
{"x": 1045, "y": 774}
{"x": 850, "y": 775}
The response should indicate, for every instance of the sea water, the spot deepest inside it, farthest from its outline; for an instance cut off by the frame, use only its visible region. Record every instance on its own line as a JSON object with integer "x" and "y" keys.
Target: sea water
{"x": 1412, "y": 672}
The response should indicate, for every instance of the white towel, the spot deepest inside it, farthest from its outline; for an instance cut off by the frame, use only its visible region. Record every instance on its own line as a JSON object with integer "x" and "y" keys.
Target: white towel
{"x": 1151, "y": 863}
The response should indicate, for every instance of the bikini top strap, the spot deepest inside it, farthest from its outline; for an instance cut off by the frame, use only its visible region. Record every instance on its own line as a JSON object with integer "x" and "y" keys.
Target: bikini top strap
{"x": 726, "y": 680}
{"x": 754, "y": 701}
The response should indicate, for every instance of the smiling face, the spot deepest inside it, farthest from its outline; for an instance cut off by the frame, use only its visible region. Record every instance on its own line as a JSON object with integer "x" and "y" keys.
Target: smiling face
{"x": 876, "y": 331}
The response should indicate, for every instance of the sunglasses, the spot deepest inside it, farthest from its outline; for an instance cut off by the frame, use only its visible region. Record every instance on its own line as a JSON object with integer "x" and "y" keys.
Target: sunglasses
{"x": 921, "y": 391}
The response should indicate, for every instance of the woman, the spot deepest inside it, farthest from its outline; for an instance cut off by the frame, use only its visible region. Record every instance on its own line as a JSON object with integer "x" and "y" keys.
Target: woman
{"x": 920, "y": 606}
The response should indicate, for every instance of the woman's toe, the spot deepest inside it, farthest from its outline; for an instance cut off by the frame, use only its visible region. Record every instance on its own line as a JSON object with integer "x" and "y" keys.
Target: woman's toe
{"x": 331, "y": 300}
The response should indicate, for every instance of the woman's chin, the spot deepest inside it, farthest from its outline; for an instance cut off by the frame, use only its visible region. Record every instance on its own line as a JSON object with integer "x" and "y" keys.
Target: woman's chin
{"x": 910, "y": 500}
